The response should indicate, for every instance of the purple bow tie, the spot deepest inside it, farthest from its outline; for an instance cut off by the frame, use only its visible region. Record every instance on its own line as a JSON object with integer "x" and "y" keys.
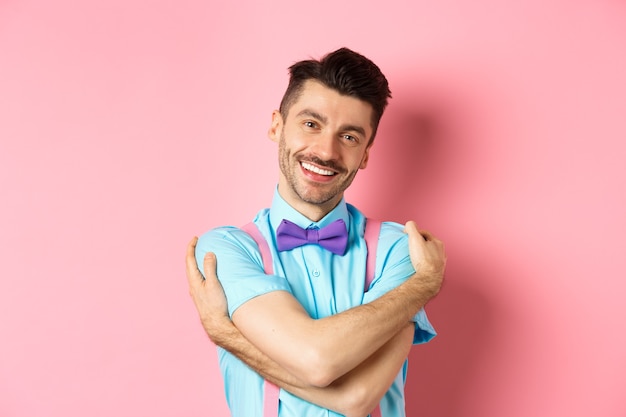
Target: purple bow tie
{"x": 333, "y": 237}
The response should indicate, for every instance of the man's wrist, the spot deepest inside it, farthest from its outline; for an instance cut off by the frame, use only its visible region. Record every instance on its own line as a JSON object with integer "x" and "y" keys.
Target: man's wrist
{"x": 427, "y": 281}
{"x": 219, "y": 329}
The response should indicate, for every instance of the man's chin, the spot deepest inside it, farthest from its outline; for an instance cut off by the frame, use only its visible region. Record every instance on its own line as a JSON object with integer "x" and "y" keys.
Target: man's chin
{"x": 317, "y": 198}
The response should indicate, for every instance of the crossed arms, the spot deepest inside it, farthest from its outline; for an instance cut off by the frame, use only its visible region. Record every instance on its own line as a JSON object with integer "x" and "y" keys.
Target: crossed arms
{"x": 345, "y": 362}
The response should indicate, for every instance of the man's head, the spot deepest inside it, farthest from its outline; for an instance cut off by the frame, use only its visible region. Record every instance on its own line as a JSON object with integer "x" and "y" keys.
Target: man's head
{"x": 325, "y": 127}
{"x": 348, "y": 73}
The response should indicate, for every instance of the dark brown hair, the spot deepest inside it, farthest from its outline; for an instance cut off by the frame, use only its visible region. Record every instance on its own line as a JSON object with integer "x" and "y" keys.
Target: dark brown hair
{"x": 345, "y": 71}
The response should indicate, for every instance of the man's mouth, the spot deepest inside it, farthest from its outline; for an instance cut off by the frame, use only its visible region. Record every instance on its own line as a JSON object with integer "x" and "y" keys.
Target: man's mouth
{"x": 317, "y": 170}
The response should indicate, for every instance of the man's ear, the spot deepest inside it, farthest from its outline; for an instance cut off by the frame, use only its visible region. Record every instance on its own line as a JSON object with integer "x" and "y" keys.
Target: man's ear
{"x": 276, "y": 127}
{"x": 366, "y": 157}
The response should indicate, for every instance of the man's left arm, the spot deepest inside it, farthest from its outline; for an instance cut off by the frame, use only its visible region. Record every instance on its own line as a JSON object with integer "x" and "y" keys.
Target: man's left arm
{"x": 354, "y": 394}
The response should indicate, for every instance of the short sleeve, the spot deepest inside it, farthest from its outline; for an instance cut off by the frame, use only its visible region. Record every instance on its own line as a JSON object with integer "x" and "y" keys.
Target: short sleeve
{"x": 424, "y": 331}
{"x": 239, "y": 265}
{"x": 393, "y": 267}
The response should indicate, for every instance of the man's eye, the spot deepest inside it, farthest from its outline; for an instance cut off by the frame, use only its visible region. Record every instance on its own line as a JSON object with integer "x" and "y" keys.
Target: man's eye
{"x": 310, "y": 124}
{"x": 350, "y": 138}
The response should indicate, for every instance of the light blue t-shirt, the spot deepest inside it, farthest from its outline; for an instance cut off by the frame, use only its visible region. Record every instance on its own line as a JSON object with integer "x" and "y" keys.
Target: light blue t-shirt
{"x": 324, "y": 283}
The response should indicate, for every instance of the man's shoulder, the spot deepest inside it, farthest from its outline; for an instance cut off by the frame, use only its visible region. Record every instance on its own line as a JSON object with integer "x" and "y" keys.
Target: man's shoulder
{"x": 393, "y": 239}
{"x": 222, "y": 232}
{"x": 222, "y": 240}
{"x": 392, "y": 229}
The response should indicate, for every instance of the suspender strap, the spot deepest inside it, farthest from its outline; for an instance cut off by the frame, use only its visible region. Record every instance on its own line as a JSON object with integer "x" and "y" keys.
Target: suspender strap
{"x": 271, "y": 399}
{"x": 266, "y": 255}
{"x": 271, "y": 392}
{"x": 372, "y": 231}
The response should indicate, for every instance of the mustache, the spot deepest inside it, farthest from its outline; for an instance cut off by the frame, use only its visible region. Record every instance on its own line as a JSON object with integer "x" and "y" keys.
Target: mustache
{"x": 332, "y": 165}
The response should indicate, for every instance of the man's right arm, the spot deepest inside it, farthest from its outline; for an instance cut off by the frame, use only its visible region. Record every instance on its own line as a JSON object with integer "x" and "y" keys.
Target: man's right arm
{"x": 318, "y": 352}
{"x": 354, "y": 394}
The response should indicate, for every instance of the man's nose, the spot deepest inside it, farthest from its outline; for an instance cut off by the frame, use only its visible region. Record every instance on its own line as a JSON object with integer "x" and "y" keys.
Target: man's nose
{"x": 326, "y": 146}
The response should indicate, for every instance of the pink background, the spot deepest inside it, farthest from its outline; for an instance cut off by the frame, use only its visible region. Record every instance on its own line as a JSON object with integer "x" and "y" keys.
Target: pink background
{"x": 127, "y": 127}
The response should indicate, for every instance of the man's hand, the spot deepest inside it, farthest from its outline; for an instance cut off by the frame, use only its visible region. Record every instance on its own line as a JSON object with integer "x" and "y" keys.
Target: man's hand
{"x": 207, "y": 294}
{"x": 428, "y": 257}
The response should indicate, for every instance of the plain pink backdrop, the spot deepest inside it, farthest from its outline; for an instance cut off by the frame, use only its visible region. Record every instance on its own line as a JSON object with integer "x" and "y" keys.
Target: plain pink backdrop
{"x": 127, "y": 127}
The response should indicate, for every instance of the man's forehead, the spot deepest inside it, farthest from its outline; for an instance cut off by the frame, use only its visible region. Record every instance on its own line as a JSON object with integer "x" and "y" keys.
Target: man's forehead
{"x": 313, "y": 88}
{"x": 315, "y": 95}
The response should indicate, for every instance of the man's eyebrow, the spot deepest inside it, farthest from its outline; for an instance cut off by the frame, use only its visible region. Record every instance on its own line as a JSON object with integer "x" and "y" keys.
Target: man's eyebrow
{"x": 313, "y": 114}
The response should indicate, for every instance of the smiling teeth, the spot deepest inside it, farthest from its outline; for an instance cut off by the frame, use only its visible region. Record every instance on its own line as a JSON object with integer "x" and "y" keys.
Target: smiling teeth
{"x": 317, "y": 170}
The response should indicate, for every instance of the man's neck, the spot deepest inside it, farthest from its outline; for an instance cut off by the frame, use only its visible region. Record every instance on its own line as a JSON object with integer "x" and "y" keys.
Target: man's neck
{"x": 313, "y": 212}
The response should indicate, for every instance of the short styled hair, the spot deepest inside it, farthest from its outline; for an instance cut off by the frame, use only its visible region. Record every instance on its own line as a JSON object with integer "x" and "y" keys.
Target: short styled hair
{"x": 347, "y": 72}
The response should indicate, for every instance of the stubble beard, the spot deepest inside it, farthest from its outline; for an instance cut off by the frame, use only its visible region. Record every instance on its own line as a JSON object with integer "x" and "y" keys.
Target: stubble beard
{"x": 310, "y": 193}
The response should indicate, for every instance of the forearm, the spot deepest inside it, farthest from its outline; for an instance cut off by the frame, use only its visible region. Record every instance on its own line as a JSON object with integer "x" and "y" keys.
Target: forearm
{"x": 320, "y": 351}
{"x": 228, "y": 337}
{"x": 357, "y": 393}
{"x": 348, "y": 338}
{"x": 354, "y": 394}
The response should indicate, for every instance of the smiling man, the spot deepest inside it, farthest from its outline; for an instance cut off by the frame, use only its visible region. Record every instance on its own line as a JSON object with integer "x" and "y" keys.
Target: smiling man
{"x": 321, "y": 147}
{"x": 312, "y": 315}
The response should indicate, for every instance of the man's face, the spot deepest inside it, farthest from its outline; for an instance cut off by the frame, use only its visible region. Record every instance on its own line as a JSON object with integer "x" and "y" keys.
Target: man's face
{"x": 323, "y": 142}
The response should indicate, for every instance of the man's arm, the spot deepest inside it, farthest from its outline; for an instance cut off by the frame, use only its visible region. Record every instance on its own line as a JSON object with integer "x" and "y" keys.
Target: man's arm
{"x": 354, "y": 394}
{"x": 320, "y": 351}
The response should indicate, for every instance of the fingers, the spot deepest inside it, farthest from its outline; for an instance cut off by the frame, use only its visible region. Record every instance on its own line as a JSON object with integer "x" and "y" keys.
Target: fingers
{"x": 191, "y": 249}
{"x": 210, "y": 265}
{"x": 193, "y": 274}
{"x": 411, "y": 229}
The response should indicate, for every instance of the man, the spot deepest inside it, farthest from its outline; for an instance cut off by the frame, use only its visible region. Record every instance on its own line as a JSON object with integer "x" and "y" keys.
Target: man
{"x": 309, "y": 327}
